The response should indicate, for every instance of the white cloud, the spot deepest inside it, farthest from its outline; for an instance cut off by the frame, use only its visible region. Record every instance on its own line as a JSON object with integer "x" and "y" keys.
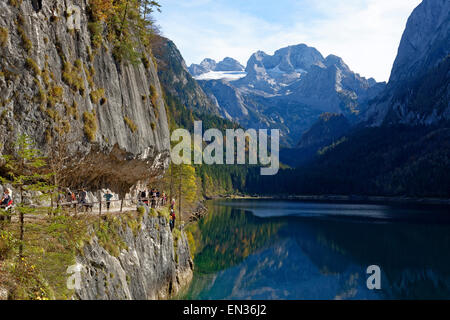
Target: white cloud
{"x": 365, "y": 33}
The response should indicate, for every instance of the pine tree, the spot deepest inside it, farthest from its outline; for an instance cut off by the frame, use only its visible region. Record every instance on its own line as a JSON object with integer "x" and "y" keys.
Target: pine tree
{"x": 24, "y": 172}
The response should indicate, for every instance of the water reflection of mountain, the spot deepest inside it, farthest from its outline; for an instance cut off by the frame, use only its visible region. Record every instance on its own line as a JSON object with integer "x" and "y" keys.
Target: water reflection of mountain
{"x": 282, "y": 271}
{"x": 229, "y": 236}
{"x": 318, "y": 258}
{"x": 414, "y": 258}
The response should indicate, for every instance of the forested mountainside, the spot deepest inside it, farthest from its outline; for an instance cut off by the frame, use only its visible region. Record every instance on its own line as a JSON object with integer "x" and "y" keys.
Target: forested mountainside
{"x": 328, "y": 130}
{"x": 178, "y": 84}
{"x": 390, "y": 161}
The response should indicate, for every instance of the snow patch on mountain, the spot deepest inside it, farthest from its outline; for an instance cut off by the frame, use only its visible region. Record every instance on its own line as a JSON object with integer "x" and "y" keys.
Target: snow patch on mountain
{"x": 222, "y": 75}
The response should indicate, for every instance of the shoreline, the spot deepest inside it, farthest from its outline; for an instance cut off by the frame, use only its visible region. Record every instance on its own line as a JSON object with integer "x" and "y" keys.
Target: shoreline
{"x": 344, "y": 199}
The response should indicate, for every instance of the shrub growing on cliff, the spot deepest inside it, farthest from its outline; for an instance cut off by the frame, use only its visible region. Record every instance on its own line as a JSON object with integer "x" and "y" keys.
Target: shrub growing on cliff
{"x": 90, "y": 125}
{"x": 27, "y": 44}
{"x": 130, "y": 124}
{"x": 4, "y": 34}
{"x": 97, "y": 95}
{"x": 33, "y": 66}
{"x": 153, "y": 95}
{"x": 55, "y": 95}
{"x": 15, "y": 3}
{"x": 141, "y": 210}
{"x": 96, "y": 30}
{"x": 72, "y": 110}
{"x": 72, "y": 76}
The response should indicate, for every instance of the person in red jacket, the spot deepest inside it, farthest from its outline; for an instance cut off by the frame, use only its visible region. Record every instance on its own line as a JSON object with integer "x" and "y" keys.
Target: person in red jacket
{"x": 6, "y": 201}
{"x": 172, "y": 219}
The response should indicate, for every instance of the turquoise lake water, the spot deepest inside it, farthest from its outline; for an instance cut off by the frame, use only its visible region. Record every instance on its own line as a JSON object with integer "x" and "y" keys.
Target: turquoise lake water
{"x": 265, "y": 249}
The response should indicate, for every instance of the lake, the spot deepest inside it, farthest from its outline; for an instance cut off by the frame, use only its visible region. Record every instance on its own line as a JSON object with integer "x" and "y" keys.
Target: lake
{"x": 266, "y": 249}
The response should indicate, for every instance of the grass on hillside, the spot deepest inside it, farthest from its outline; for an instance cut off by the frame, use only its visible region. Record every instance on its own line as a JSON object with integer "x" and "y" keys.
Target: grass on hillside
{"x": 50, "y": 247}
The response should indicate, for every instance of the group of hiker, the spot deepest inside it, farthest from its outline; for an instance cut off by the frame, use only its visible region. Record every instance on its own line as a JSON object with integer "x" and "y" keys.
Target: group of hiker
{"x": 81, "y": 198}
{"x": 75, "y": 198}
{"x": 153, "y": 198}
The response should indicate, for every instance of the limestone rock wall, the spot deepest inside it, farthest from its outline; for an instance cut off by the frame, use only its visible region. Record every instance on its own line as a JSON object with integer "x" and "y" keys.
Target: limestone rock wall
{"x": 151, "y": 268}
{"x": 35, "y": 53}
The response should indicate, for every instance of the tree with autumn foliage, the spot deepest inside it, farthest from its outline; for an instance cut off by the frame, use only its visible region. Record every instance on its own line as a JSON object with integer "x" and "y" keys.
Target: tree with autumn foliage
{"x": 181, "y": 182}
{"x": 127, "y": 24}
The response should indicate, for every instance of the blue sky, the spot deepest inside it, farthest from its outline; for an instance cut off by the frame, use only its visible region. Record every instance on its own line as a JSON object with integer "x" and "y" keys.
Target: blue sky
{"x": 365, "y": 33}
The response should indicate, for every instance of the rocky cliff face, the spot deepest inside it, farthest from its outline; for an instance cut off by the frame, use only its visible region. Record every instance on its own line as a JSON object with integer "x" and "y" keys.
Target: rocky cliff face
{"x": 418, "y": 91}
{"x": 176, "y": 80}
{"x": 50, "y": 73}
{"x": 152, "y": 266}
{"x": 270, "y": 73}
{"x": 333, "y": 87}
{"x": 232, "y": 105}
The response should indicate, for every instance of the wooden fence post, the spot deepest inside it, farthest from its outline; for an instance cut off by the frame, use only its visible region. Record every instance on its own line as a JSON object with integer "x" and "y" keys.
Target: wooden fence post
{"x": 99, "y": 193}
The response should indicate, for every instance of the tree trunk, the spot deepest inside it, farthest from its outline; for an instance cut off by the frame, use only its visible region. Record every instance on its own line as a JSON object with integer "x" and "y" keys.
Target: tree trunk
{"x": 123, "y": 20}
{"x": 50, "y": 213}
{"x": 22, "y": 222}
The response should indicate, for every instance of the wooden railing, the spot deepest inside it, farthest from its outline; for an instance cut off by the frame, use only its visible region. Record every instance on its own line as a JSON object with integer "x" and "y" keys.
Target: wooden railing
{"x": 86, "y": 205}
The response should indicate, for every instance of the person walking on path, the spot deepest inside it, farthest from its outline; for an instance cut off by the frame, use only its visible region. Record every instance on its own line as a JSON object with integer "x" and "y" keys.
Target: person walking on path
{"x": 83, "y": 196}
{"x": 144, "y": 198}
{"x": 172, "y": 219}
{"x": 74, "y": 199}
{"x": 164, "y": 198}
{"x": 153, "y": 194}
{"x": 108, "y": 196}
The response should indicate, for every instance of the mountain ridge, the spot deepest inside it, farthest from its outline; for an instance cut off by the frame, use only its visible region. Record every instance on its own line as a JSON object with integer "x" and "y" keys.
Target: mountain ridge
{"x": 418, "y": 90}
{"x": 208, "y": 65}
{"x": 290, "y": 89}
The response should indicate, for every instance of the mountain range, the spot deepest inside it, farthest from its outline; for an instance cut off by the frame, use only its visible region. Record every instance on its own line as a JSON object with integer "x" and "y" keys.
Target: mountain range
{"x": 400, "y": 145}
{"x": 289, "y": 90}
{"x": 346, "y": 134}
